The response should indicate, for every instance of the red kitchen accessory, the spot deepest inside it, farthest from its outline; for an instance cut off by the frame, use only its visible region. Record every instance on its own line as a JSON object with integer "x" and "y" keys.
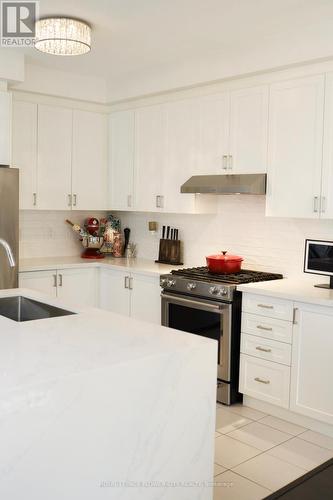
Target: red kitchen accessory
{"x": 224, "y": 264}
{"x": 92, "y": 226}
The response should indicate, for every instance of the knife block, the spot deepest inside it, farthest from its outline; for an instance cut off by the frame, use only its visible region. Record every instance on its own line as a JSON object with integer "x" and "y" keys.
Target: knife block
{"x": 169, "y": 252}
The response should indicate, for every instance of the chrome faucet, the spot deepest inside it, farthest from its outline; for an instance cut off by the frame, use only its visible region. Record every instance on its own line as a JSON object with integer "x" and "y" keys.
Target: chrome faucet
{"x": 9, "y": 252}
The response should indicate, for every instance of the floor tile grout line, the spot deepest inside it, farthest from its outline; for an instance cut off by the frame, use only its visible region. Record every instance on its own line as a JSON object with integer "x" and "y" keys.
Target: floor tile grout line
{"x": 315, "y": 444}
{"x": 263, "y": 451}
{"x": 274, "y": 428}
{"x": 250, "y": 480}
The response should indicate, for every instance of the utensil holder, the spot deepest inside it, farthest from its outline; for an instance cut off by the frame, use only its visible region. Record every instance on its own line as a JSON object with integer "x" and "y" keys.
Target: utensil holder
{"x": 169, "y": 252}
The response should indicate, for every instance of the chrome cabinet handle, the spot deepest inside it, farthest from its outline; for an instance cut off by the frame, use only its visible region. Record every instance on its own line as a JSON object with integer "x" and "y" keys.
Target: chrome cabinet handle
{"x": 266, "y": 328}
{"x": 294, "y": 315}
{"x": 258, "y": 348}
{"x": 159, "y": 201}
{"x": 225, "y": 162}
{"x": 262, "y": 381}
{"x": 315, "y": 204}
{"x": 323, "y": 204}
{"x": 34, "y": 196}
{"x": 55, "y": 281}
{"x": 265, "y": 306}
{"x": 131, "y": 283}
{"x": 74, "y": 200}
{"x": 129, "y": 200}
{"x": 231, "y": 161}
{"x": 126, "y": 281}
{"x": 60, "y": 279}
{"x": 69, "y": 200}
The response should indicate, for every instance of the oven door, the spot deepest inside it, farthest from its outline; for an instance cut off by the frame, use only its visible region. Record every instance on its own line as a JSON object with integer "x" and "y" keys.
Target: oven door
{"x": 207, "y": 318}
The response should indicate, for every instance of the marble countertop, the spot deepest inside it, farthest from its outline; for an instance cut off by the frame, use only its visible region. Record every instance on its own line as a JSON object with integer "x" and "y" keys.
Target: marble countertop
{"x": 34, "y": 351}
{"x": 295, "y": 289}
{"x": 143, "y": 266}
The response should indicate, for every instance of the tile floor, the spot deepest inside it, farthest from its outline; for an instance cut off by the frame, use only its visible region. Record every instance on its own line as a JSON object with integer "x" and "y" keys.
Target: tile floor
{"x": 256, "y": 453}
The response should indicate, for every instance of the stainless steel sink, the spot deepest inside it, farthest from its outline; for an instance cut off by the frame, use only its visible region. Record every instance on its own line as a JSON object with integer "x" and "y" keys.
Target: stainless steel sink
{"x": 23, "y": 309}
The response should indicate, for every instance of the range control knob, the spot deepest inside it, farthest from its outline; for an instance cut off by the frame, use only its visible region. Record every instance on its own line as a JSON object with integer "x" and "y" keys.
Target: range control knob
{"x": 213, "y": 290}
{"x": 171, "y": 283}
{"x": 223, "y": 292}
{"x": 163, "y": 282}
{"x": 191, "y": 286}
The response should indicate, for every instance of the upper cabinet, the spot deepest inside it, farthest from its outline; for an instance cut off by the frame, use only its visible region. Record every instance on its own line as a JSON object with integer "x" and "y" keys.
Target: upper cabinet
{"x": 24, "y": 147}
{"x": 90, "y": 161}
{"x": 5, "y": 127}
{"x": 121, "y": 159}
{"x": 327, "y": 171}
{"x": 54, "y": 158}
{"x": 62, "y": 155}
{"x": 296, "y": 118}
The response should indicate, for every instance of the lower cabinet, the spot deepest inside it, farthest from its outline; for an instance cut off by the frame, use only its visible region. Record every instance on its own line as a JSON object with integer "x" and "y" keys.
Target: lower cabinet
{"x": 132, "y": 294}
{"x": 77, "y": 286}
{"x": 312, "y": 366}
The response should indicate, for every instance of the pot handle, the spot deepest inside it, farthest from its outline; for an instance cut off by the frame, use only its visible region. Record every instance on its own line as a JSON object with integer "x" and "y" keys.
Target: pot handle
{"x": 224, "y": 252}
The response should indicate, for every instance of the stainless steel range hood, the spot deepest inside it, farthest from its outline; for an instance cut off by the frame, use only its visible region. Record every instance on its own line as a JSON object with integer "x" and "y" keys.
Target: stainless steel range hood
{"x": 226, "y": 184}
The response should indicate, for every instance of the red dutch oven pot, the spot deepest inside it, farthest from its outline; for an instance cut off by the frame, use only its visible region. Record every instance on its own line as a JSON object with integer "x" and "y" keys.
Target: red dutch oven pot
{"x": 224, "y": 264}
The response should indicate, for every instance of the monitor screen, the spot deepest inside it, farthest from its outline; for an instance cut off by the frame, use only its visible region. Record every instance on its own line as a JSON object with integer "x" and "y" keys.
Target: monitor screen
{"x": 318, "y": 257}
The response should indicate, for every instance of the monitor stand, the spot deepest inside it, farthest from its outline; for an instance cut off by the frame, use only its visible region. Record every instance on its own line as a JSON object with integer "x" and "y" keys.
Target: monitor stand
{"x": 326, "y": 285}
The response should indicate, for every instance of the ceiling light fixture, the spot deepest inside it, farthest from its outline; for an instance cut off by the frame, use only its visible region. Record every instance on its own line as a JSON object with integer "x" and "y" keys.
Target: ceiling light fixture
{"x": 62, "y": 36}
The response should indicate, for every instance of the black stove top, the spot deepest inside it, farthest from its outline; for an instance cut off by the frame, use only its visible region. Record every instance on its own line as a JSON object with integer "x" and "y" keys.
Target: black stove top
{"x": 244, "y": 276}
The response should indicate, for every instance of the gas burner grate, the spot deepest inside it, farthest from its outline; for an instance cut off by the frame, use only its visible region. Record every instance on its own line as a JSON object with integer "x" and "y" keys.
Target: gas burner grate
{"x": 244, "y": 276}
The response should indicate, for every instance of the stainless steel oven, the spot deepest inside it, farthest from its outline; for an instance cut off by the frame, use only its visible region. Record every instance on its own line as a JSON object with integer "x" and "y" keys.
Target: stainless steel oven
{"x": 207, "y": 318}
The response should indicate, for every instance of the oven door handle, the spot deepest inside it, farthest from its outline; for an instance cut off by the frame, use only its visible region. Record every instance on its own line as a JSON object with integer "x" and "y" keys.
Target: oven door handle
{"x": 191, "y": 302}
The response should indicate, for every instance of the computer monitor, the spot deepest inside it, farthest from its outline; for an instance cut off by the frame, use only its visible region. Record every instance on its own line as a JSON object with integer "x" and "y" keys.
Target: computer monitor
{"x": 318, "y": 259}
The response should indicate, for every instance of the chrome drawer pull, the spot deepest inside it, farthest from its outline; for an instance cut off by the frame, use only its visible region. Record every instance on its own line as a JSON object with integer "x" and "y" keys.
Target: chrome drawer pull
{"x": 258, "y": 348}
{"x": 266, "y": 328}
{"x": 265, "y": 306}
{"x": 257, "y": 379}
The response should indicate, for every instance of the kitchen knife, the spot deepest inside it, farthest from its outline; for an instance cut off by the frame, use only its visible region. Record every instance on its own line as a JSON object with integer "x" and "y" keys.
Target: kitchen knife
{"x": 176, "y": 234}
{"x": 163, "y": 233}
{"x": 127, "y": 233}
{"x": 172, "y": 233}
{"x": 168, "y": 232}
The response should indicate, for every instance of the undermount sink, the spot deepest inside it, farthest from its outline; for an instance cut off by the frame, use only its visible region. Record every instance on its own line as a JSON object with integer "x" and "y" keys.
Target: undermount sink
{"x": 23, "y": 309}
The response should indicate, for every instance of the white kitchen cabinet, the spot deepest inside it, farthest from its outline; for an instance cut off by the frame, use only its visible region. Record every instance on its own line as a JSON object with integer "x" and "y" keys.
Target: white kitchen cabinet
{"x": 76, "y": 286}
{"x": 5, "y": 127}
{"x": 40, "y": 281}
{"x": 90, "y": 161}
{"x": 150, "y": 157}
{"x": 326, "y": 206}
{"x": 130, "y": 294}
{"x": 54, "y": 157}
{"x": 24, "y": 151}
{"x": 248, "y": 131}
{"x": 121, "y": 159}
{"x": 296, "y": 117}
{"x": 146, "y": 298}
{"x": 312, "y": 368}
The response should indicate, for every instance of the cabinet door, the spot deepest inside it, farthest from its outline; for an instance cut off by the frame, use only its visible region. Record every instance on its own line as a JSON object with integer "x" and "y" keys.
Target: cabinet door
{"x": 5, "y": 127}
{"x": 295, "y": 147}
{"x": 24, "y": 151}
{"x": 121, "y": 156}
{"x": 150, "y": 150}
{"x": 182, "y": 154}
{"x": 326, "y": 208}
{"x": 312, "y": 369}
{"x": 248, "y": 130}
{"x": 54, "y": 157}
{"x": 214, "y": 112}
{"x": 78, "y": 286}
{"x": 114, "y": 291}
{"x": 145, "y": 298}
{"x": 40, "y": 281}
{"x": 89, "y": 163}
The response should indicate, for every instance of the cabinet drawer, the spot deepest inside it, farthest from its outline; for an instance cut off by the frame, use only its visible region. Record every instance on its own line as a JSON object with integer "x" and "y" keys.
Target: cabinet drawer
{"x": 268, "y": 306}
{"x": 269, "y": 328}
{"x": 271, "y": 350}
{"x": 264, "y": 380}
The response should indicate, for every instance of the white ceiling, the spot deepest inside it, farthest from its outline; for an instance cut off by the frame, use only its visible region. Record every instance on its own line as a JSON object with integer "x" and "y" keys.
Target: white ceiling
{"x": 133, "y": 38}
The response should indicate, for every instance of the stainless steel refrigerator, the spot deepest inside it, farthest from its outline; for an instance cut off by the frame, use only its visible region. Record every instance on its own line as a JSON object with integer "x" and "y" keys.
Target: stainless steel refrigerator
{"x": 9, "y": 227}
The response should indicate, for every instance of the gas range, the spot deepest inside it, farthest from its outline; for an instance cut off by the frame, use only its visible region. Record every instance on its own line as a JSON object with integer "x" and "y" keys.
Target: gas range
{"x": 199, "y": 282}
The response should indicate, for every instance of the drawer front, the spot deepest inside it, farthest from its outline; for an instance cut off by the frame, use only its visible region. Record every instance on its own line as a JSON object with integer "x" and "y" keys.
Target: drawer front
{"x": 264, "y": 380}
{"x": 269, "y": 328}
{"x": 268, "y": 306}
{"x": 266, "y": 349}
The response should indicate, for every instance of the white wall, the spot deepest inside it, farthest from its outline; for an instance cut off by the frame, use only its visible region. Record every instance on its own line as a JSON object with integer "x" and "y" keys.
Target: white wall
{"x": 240, "y": 227}
{"x": 46, "y": 234}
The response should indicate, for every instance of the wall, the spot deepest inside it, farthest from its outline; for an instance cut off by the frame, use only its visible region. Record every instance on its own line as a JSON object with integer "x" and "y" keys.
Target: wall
{"x": 45, "y": 233}
{"x": 240, "y": 227}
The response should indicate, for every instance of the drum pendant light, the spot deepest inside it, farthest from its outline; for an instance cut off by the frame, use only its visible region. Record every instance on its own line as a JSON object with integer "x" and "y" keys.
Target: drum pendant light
{"x": 62, "y": 36}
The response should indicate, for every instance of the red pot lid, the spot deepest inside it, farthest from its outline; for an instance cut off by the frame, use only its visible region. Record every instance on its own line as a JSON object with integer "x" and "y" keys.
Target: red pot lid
{"x": 226, "y": 257}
